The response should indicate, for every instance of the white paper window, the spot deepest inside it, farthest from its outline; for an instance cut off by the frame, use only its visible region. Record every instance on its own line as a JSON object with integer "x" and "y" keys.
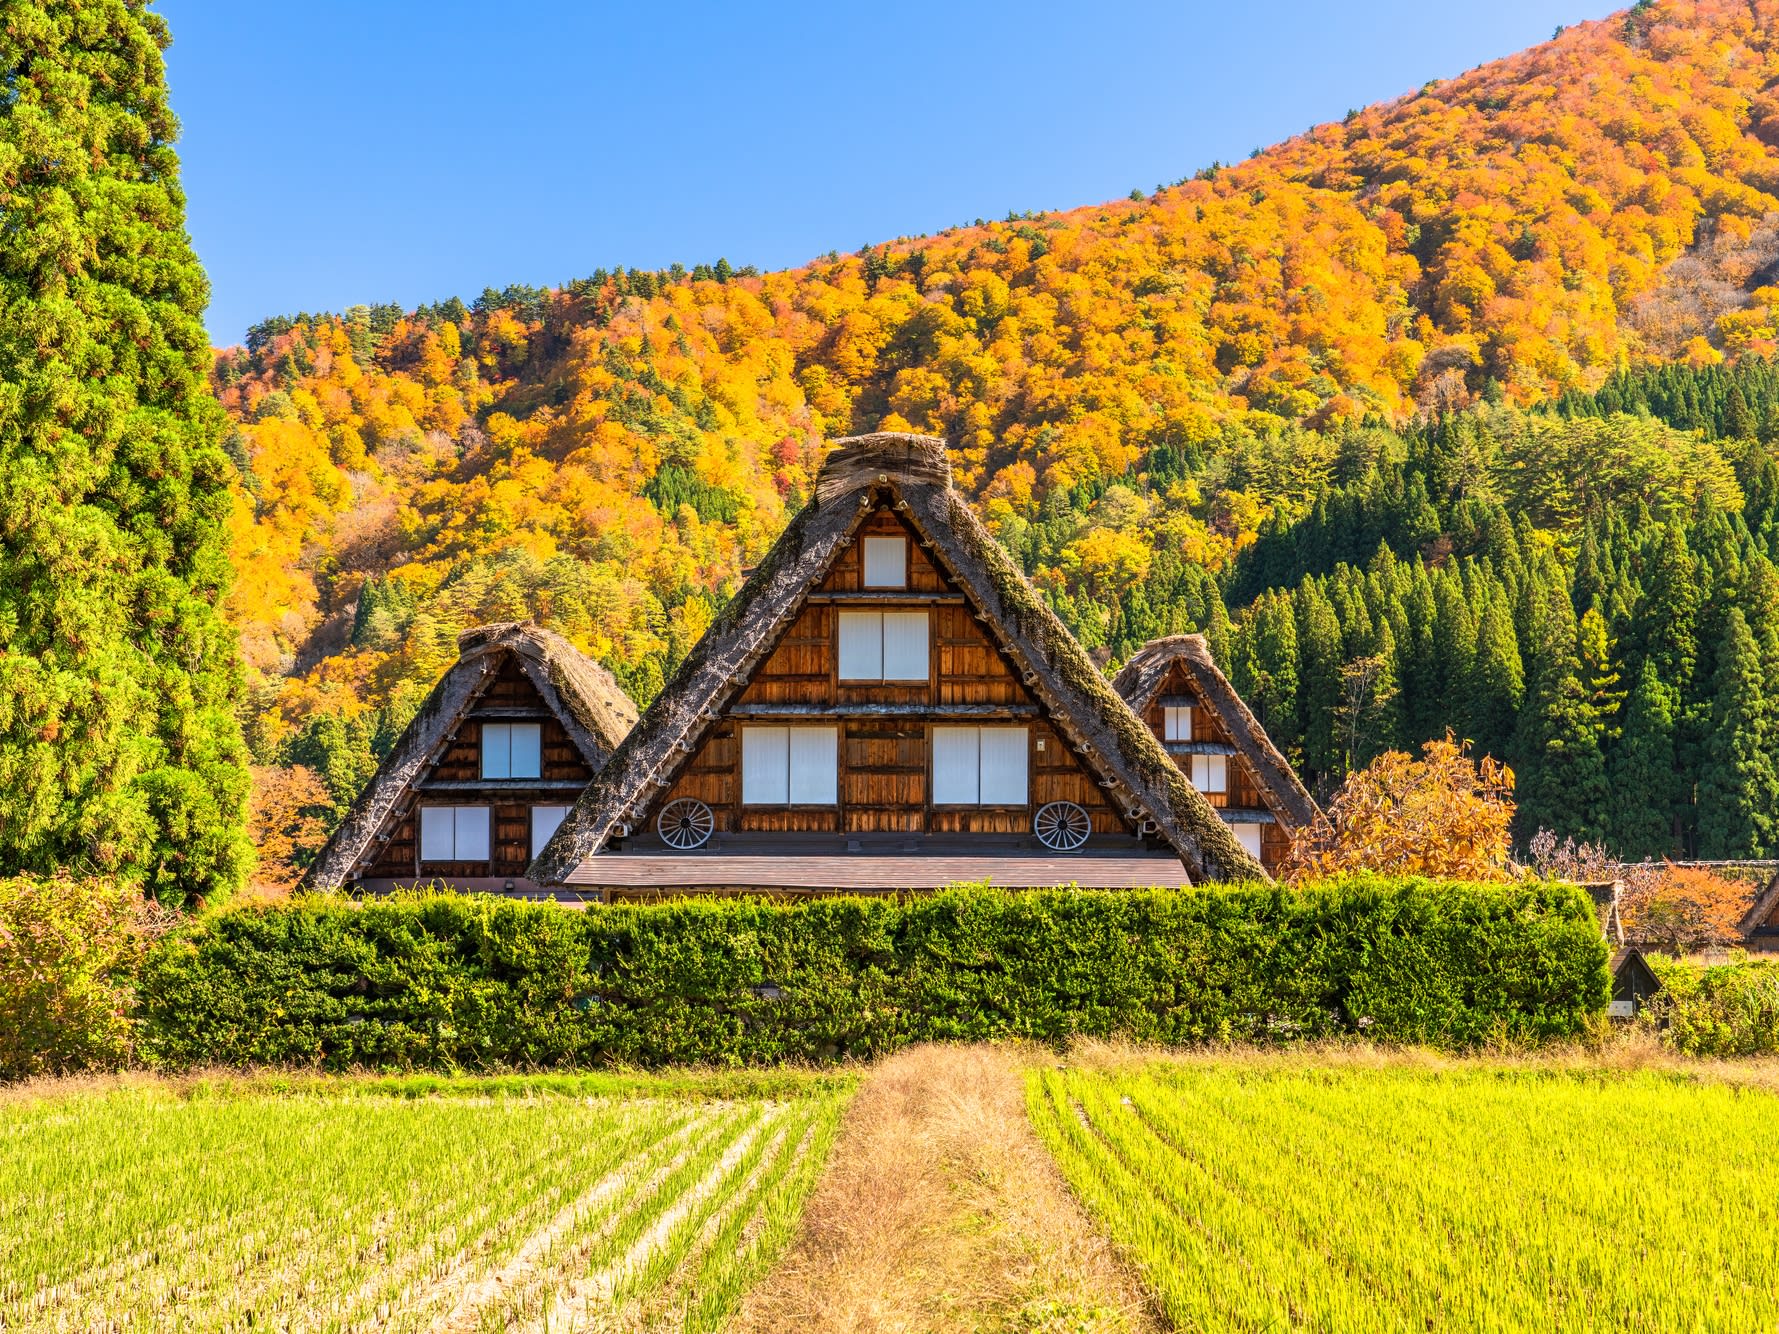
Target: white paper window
{"x": 905, "y": 646}
{"x": 1210, "y": 773}
{"x": 1003, "y": 766}
{"x": 765, "y": 766}
{"x": 886, "y": 562}
{"x": 883, "y": 646}
{"x": 956, "y": 766}
{"x": 979, "y": 766}
{"x": 512, "y": 750}
{"x": 1176, "y": 723}
{"x": 545, "y": 821}
{"x": 1248, "y": 835}
{"x": 798, "y": 766}
{"x": 453, "y": 833}
{"x": 815, "y": 766}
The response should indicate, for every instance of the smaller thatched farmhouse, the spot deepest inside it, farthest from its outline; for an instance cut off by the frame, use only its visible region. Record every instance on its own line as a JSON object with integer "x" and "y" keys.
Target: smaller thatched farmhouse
{"x": 1173, "y": 685}
{"x": 887, "y": 704}
{"x": 486, "y": 771}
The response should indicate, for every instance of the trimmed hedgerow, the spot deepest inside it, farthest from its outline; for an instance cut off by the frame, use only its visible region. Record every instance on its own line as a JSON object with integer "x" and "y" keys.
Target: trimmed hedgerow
{"x": 469, "y": 982}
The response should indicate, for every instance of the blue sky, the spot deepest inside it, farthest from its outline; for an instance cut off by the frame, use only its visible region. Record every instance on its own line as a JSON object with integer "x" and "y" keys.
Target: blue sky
{"x": 338, "y": 151}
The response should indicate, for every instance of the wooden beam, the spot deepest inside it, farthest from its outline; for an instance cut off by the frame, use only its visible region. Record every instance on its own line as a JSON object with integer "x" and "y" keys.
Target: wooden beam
{"x": 939, "y": 712}
{"x": 891, "y": 595}
{"x": 502, "y": 786}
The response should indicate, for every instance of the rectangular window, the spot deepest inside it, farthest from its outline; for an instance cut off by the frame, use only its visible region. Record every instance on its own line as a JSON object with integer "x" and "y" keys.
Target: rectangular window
{"x": 545, "y": 821}
{"x": 795, "y": 766}
{"x": 1176, "y": 722}
{"x": 883, "y": 646}
{"x": 1210, "y": 773}
{"x": 979, "y": 766}
{"x": 453, "y": 833}
{"x": 512, "y": 750}
{"x": 1248, "y": 835}
{"x": 886, "y": 562}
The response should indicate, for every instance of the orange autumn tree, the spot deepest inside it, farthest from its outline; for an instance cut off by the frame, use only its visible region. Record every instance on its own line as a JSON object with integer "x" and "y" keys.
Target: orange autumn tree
{"x": 1684, "y": 908}
{"x": 1445, "y": 814}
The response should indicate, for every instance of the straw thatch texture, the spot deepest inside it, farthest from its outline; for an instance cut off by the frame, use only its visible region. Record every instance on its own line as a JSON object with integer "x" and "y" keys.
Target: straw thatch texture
{"x": 593, "y": 709}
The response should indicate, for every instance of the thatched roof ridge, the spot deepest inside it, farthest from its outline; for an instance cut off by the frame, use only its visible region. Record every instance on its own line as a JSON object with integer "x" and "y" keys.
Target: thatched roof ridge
{"x": 916, "y": 472}
{"x": 595, "y": 712}
{"x": 1141, "y": 677}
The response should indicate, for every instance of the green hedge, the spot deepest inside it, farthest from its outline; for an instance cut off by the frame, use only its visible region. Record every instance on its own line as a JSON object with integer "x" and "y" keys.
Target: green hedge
{"x": 451, "y": 982}
{"x": 1718, "y": 1010}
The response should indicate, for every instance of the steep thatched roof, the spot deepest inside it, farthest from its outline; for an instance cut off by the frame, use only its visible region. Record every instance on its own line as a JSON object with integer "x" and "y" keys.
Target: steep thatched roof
{"x": 915, "y": 473}
{"x": 1140, "y": 678}
{"x": 594, "y": 711}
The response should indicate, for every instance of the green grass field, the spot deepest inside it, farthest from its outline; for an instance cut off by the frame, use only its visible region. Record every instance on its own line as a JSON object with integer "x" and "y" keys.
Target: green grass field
{"x": 308, "y": 1204}
{"x": 1275, "y": 1194}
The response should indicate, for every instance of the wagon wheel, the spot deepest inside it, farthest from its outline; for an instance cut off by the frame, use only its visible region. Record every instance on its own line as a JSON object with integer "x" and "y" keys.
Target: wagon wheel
{"x": 1062, "y": 826}
{"x": 685, "y": 823}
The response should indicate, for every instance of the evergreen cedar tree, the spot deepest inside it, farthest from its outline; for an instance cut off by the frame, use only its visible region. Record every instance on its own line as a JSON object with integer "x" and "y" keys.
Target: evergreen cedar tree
{"x": 1353, "y": 409}
{"x": 119, "y": 747}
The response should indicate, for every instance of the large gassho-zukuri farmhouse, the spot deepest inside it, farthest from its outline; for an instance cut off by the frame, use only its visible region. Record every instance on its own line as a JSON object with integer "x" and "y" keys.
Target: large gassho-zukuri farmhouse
{"x": 1179, "y": 691}
{"x": 887, "y": 704}
{"x": 480, "y": 779}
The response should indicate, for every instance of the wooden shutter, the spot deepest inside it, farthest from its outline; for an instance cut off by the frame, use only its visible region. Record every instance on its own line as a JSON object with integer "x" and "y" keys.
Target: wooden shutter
{"x": 545, "y": 821}
{"x": 861, "y": 646}
{"x": 886, "y": 562}
{"x": 472, "y": 833}
{"x": 765, "y": 766}
{"x": 497, "y": 750}
{"x": 1003, "y": 766}
{"x": 438, "y": 836}
{"x": 814, "y": 755}
{"x": 956, "y": 768}
{"x": 905, "y": 646}
{"x": 527, "y": 751}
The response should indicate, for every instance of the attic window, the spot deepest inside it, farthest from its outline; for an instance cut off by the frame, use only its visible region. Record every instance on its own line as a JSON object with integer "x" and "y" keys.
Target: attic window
{"x": 1248, "y": 835}
{"x": 886, "y": 562}
{"x": 883, "y": 646}
{"x": 1176, "y": 722}
{"x": 512, "y": 750}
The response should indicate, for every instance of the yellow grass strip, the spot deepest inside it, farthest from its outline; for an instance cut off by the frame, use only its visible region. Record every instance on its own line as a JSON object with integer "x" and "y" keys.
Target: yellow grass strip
{"x": 941, "y": 1211}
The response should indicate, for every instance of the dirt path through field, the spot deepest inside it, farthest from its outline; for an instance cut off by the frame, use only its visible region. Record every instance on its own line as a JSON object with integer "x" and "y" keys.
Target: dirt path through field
{"x": 941, "y": 1211}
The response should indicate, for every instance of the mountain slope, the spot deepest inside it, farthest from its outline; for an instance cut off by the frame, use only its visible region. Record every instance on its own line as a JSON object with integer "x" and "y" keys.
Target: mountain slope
{"x": 1133, "y": 390}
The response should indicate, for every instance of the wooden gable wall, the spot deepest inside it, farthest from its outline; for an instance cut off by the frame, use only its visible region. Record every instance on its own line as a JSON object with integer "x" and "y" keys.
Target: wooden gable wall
{"x": 884, "y": 756}
{"x": 454, "y": 779}
{"x": 1246, "y": 791}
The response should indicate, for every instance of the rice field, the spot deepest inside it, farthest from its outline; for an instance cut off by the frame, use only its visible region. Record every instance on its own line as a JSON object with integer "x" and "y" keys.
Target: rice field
{"x": 541, "y": 1205}
{"x": 1278, "y": 1195}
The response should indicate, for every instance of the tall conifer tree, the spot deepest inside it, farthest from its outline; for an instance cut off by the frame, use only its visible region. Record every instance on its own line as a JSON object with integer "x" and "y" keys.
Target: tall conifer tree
{"x": 1738, "y": 786}
{"x": 119, "y": 746}
{"x": 1644, "y": 785}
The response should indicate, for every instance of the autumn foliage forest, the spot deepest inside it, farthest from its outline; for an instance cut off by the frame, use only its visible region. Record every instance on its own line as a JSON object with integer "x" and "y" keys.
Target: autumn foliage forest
{"x": 1453, "y": 412}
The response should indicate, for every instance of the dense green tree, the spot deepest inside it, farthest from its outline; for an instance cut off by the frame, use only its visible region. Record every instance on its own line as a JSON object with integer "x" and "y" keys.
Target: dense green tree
{"x": 119, "y": 746}
{"x": 1738, "y": 784}
{"x": 1644, "y": 818}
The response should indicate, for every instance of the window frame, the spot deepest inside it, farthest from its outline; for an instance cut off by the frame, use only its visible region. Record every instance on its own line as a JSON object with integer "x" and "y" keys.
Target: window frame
{"x": 978, "y": 804}
{"x": 457, "y": 814}
{"x": 792, "y": 799}
{"x": 879, "y": 541}
{"x": 506, "y": 733}
{"x": 1169, "y": 716}
{"x": 853, "y": 615}
{"x": 1211, "y": 763}
{"x": 537, "y": 847}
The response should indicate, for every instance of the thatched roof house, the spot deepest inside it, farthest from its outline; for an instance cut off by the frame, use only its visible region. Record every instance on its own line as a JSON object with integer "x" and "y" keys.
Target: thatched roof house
{"x": 887, "y": 703}
{"x": 486, "y": 770}
{"x": 1174, "y": 686}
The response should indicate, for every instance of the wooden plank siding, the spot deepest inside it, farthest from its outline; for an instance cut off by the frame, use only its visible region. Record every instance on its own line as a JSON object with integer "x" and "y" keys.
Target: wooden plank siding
{"x": 885, "y": 757}
{"x": 509, "y": 697}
